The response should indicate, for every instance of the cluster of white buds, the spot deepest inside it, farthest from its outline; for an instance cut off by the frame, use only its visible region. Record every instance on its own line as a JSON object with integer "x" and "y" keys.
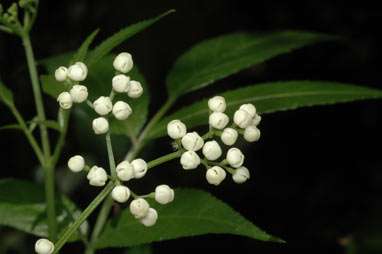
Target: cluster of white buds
{"x": 44, "y": 246}
{"x": 189, "y": 143}
{"x": 77, "y": 93}
{"x": 127, "y": 171}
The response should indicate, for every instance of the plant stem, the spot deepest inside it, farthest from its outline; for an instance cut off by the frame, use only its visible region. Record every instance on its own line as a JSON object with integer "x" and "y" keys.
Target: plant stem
{"x": 103, "y": 214}
{"x": 63, "y": 115}
{"x": 93, "y": 205}
{"x": 164, "y": 159}
{"x": 111, "y": 157}
{"x": 49, "y": 170}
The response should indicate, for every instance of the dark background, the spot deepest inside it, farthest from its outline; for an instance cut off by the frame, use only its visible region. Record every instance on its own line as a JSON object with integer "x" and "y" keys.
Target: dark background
{"x": 316, "y": 172}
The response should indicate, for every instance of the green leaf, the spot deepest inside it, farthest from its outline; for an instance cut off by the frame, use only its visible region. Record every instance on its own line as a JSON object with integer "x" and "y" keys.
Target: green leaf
{"x": 113, "y": 41}
{"x": 219, "y": 57}
{"x": 271, "y": 97}
{"x": 193, "y": 212}
{"x": 51, "y": 86}
{"x": 22, "y": 206}
{"x": 48, "y": 123}
{"x": 6, "y": 95}
{"x": 83, "y": 50}
{"x": 10, "y": 127}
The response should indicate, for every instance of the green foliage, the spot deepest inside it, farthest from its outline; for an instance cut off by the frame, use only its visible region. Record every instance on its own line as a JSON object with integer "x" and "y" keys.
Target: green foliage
{"x": 11, "y": 127}
{"x": 272, "y": 97}
{"x": 79, "y": 56}
{"x": 22, "y": 206}
{"x": 6, "y": 95}
{"x": 220, "y": 57}
{"x": 193, "y": 212}
{"x": 113, "y": 41}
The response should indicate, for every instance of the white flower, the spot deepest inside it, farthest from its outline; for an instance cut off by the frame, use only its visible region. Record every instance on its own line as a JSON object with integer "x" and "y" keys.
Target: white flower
{"x": 125, "y": 171}
{"x": 121, "y": 110}
{"x": 251, "y": 133}
{"x": 215, "y": 175}
{"x": 241, "y": 175}
{"x": 44, "y": 246}
{"x": 76, "y": 163}
{"x": 242, "y": 118}
{"x": 176, "y": 129}
{"x": 121, "y": 83}
{"x": 120, "y": 193}
{"x": 229, "y": 136}
{"x": 250, "y": 108}
{"x": 212, "y": 150}
{"x": 235, "y": 157}
{"x": 100, "y": 125}
{"x": 78, "y": 71}
{"x": 218, "y": 120}
{"x": 164, "y": 194}
{"x": 192, "y": 141}
{"x": 140, "y": 168}
{"x": 256, "y": 120}
{"x": 135, "y": 90}
{"x": 79, "y": 93}
{"x": 65, "y": 100}
{"x": 150, "y": 219}
{"x": 61, "y": 73}
{"x": 97, "y": 176}
{"x": 217, "y": 104}
{"x": 123, "y": 62}
{"x": 103, "y": 105}
{"x": 190, "y": 160}
{"x": 139, "y": 208}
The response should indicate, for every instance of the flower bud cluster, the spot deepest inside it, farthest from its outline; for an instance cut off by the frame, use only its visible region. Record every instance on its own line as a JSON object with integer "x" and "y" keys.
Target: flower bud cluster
{"x": 127, "y": 171}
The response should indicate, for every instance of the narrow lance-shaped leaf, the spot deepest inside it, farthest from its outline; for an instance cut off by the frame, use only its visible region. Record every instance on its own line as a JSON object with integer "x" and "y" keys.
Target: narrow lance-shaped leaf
{"x": 272, "y": 97}
{"x": 6, "y": 95}
{"x": 113, "y": 41}
{"x": 11, "y": 127}
{"x": 193, "y": 212}
{"x": 220, "y": 57}
{"x": 83, "y": 50}
{"x": 22, "y": 206}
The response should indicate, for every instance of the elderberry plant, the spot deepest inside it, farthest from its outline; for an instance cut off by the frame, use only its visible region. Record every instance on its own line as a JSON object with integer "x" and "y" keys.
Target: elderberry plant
{"x": 115, "y": 101}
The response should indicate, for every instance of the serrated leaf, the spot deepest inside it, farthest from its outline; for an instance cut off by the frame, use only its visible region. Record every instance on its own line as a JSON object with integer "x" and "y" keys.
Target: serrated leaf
{"x": 193, "y": 212}
{"x": 6, "y": 95}
{"x": 113, "y": 41}
{"x": 82, "y": 51}
{"x": 271, "y": 97}
{"x": 22, "y": 206}
{"x": 220, "y": 57}
{"x": 11, "y": 127}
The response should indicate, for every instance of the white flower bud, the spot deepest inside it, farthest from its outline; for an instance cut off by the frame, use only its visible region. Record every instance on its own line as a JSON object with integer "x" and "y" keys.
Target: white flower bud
{"x": 103, "y": 105}
{"x": 140, "y": 168}
{"x": 121, "y": 110}
{"x": 78, "y": 71}
{"x": 217, "y": 104}
{"x": 190, "y": 160}
{"x": 242, "y": 118}
{"x": 192, "y": 141}
{"x": 229, "y": 136}
{"x": 65, "y": 100}
{"x": 215, "y": 175}
{"x": 139, "y": 208}
{"x": 100, "y": 125}
{"x": 123, "y": 62}
{"x": 251, "y": 133}
{"x": 76, "y": 163}
{"x": 218, "y": 120}
{"x": 135, "y": 90}
{"x": 61, "y": 73}
{"x": 121, "y": 83}
{"x": 150, "y": 219}
{"x": 79, "y": 93}
{"x": 250, "y": 108}
{"x": 125, "y": 171}
{"x": 164, "y": 194}
{"x": 44, "y": 246}
{"x": 212, "y": 150}
{"x": 97, "y": 176}
{"x": 241, "y": 175}
{"x": 256, "y": 120}
{"x": 176, "y": 129}
{"x": 120, "y": 193}
{"x": 235, "y": 157}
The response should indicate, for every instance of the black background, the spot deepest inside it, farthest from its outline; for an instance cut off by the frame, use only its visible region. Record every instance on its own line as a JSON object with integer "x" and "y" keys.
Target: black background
{"x": 316, "y": 172}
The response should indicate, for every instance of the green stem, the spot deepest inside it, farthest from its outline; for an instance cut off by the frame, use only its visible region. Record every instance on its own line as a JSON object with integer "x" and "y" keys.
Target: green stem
{"x": 163, "y": 159}
{"x": 85, "y": 214}
{"x": 208, "y": 135}
{"x": 63, "y": 121}
{"x": 111, "y": 157}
